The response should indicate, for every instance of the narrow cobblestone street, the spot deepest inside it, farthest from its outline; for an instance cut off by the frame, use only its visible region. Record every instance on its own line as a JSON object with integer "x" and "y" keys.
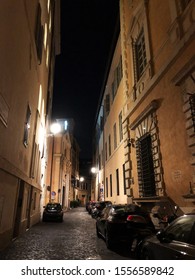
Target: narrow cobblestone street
{"x": 74, "y": 239}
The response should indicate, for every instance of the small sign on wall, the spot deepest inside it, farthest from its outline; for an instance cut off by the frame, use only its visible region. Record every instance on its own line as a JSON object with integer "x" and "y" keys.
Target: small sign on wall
{"x": 177, "y": 176}
{"x": 53, "y": 195}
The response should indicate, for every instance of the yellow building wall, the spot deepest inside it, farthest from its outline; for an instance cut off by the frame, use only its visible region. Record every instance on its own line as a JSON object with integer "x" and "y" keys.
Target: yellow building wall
{"x": 116, "y": 160}
{"x": 23, "y": 83}
{"x": 171, "y": 50}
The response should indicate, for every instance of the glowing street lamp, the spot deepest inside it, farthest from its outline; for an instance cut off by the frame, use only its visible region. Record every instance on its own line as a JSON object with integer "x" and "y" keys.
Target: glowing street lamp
{"x": 94, "y": 170}
{"x": 81, "y": 179}
{"x": 55, "y": 128}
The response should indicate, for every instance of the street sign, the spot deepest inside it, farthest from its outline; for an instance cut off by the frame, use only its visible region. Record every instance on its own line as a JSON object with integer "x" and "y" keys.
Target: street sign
{"x": 53, "y": 194}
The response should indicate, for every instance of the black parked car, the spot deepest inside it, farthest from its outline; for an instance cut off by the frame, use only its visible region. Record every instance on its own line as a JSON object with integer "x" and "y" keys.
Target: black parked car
{"x": 98, "y": 208}
{"x": 53, "y": 212}
{"x": 123, "y": 223}
{"x": 90, "y": 206}
{"x": 176, "y": 242}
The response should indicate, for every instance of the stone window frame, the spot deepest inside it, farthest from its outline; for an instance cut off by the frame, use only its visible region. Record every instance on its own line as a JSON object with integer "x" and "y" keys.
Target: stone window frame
{"x": 185, "y": 79}
{"x": 181, "y": 19}
{"x": 146, "y": 123}
{"x": 139, "y": 23}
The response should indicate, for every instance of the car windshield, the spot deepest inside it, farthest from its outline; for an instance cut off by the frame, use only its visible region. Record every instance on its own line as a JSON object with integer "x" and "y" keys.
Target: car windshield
{"x": 120, "y": 209}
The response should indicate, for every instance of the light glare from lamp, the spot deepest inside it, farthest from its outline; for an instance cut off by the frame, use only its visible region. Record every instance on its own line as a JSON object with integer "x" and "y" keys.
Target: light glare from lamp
{"x": 55, "y": 128}
{"x": 93, "y": 170}
{"x": 81, "y": 179}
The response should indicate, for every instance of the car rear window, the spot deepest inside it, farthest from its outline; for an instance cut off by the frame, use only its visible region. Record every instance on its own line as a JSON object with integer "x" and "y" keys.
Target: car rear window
{"x": 53, "y": 206}
{"x": 126, "y": 209}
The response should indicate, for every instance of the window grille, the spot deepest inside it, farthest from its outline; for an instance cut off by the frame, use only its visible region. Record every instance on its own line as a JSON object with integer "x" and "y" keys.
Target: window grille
{"x": 140, "y": 54}
{"x": 146, "y": 176}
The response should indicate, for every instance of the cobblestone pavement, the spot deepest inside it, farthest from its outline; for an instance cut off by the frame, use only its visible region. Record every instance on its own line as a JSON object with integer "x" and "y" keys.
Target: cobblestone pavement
{"x": 74, "y": 239}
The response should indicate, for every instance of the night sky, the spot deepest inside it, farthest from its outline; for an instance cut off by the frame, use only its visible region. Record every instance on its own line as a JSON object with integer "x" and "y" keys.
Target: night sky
{"x": 87, "y": 28}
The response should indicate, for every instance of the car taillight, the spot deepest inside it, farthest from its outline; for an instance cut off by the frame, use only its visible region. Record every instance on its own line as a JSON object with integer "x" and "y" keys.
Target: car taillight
{"x": 130, "y": 218}
{"x": 136, "y": 219}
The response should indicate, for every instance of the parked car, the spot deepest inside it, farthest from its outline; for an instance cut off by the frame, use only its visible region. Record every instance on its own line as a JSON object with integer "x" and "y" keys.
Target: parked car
{"x": 176, "y": 242}
{"x": 53, "y": 212}
{"x": 90, "y": 206}
{"x": 87, "y": 205}
{"x": 123, "y": 223}
{"x": 98, "y": 208}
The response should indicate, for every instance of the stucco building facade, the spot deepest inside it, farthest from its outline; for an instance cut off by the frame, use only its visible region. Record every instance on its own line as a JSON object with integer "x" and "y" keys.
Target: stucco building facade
{"x": 157, "y": 101}
{"x": 158, "y": 59}
{"x": 63, "y": 165}
{"x": 109, "y": 182}
{"x": 30, "y": 42}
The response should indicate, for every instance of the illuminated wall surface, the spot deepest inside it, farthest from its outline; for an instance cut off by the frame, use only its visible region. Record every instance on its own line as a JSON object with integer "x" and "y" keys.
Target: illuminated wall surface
{"x": 155, "y": 159}
{"x": 25, "y": 108}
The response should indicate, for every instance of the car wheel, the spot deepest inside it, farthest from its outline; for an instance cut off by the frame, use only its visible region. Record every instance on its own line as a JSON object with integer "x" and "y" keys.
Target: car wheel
{"x": 97, "y": 232}
{"x": 109, "y": 243}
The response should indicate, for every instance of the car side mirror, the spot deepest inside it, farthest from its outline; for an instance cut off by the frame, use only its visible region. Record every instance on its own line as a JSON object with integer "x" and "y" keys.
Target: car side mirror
{"x": 163, "y": 237}
{"x": 160, "y": 235}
